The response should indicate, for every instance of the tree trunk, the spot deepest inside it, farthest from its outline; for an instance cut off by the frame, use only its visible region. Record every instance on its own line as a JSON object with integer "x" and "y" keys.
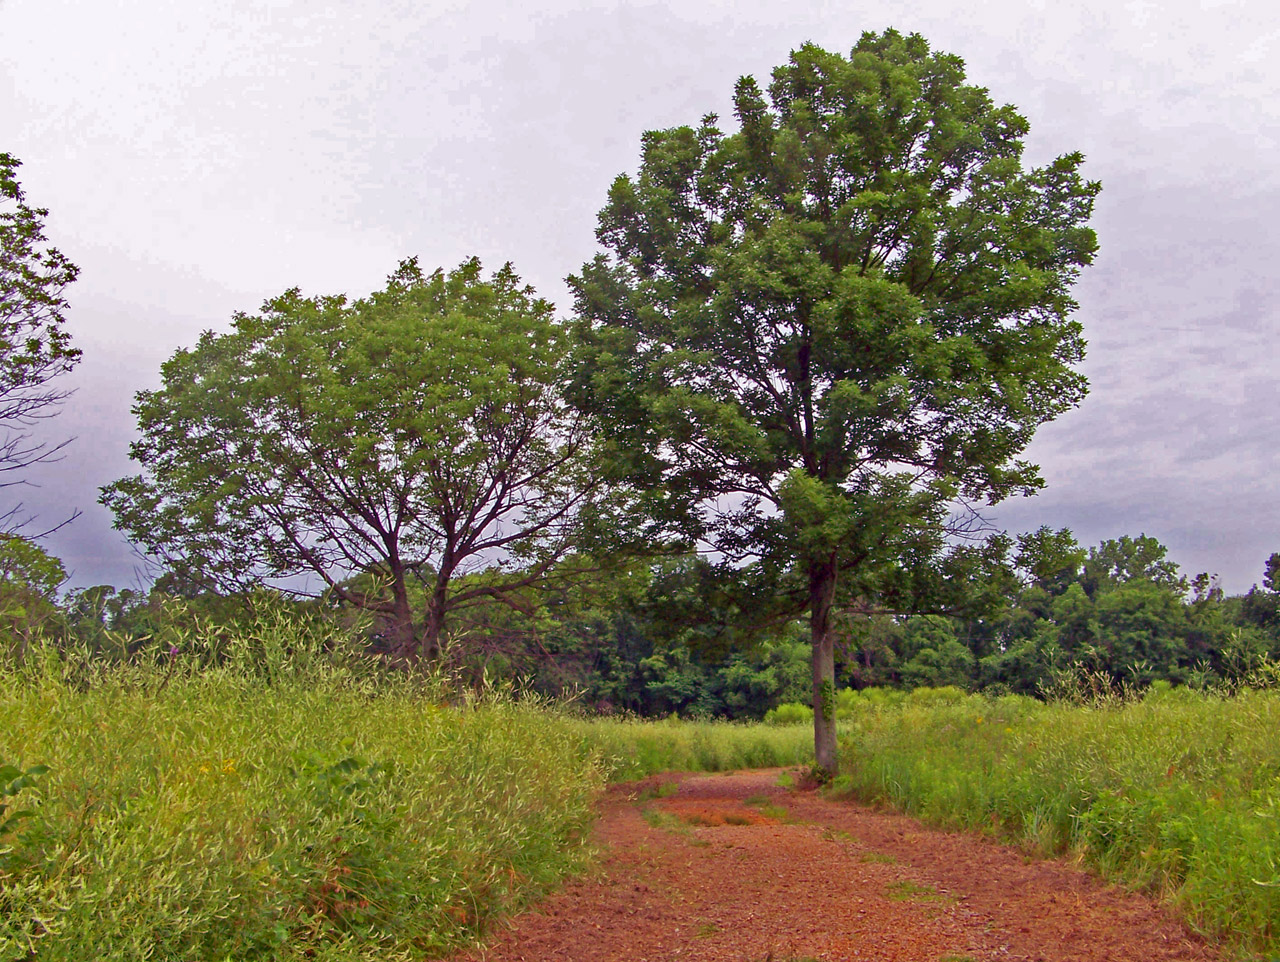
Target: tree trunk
{"x": 434, "y": 624}
{"x": 822, "y": 589}
{"x": 400, "y": 627}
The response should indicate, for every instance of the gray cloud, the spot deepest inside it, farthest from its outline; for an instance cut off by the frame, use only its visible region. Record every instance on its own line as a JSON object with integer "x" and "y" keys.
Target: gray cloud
{"x": 200, "y": 157}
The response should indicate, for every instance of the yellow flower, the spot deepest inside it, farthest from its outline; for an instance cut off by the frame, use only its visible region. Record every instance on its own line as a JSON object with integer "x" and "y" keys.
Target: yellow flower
{"x": 204, "y": 769}
{"x": 228, "y": 766}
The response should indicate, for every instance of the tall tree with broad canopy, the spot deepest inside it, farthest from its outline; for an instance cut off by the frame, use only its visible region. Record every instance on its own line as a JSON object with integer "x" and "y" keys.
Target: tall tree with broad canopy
{"x": 35, "y": 347}
{"x": 824, "y": 335}
{"x": 415, "y": 435}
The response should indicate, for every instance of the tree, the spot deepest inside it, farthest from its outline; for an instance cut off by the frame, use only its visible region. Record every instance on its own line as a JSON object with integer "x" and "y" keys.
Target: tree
{"x": 1124, "y": 559}
{"x": 410, "y": 437}
{"x": 1271, "y": 576}
{"x": 822, "y": 336}
{"x": 1051, "y": 559}
{"x": 34, "y": 345}
{"x": 29, "y": 582}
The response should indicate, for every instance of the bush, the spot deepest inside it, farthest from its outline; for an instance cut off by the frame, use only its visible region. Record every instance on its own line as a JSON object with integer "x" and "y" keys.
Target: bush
{"x": 789, "y": 713}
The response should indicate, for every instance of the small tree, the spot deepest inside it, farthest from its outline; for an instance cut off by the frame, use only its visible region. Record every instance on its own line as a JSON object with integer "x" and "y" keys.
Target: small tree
{"x": 34, "y": 345}
{"x": 817, "y": 335}
{"x": 29, "y": 581}
{"x": 411, "y": 437}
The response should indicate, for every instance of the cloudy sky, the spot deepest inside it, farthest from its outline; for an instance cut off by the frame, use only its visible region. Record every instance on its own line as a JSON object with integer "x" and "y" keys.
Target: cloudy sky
{"x": 199, "y": 157}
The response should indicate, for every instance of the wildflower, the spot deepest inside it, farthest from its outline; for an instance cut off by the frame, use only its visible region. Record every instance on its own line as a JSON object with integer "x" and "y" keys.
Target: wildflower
{"x": 228, "y": 766}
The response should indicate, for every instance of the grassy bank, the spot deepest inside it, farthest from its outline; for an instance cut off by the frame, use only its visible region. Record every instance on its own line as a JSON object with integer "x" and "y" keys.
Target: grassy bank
{"x": 1178, "y": 793}
{"x": 215, "y": 816}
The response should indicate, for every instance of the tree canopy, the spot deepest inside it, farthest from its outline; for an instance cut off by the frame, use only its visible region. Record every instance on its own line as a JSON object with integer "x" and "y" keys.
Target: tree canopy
{"x": 407, "y": 438}
{"x": 818, "y": 335}
{"x": 35, "y": 347}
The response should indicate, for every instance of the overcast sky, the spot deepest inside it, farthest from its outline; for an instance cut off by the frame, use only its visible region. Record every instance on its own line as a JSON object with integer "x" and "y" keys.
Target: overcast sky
{"x": 199, "y": 157}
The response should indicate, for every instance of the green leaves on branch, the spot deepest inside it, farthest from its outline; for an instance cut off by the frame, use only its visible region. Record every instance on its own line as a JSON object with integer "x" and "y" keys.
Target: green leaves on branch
{"x": 861, "y": 284}
{"x": 35, "y": 347}
{"x": 410, "y": 436}
{"x": 822, "y": 340}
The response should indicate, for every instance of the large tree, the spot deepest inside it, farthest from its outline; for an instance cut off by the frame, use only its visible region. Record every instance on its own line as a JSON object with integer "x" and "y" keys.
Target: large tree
{"x": 409, "y": 437}
{"x": 35, "y": 347}
{"x": 823, "y": 335}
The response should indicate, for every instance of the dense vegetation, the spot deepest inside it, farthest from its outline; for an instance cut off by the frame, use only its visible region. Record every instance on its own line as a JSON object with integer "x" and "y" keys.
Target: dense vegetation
{"x": 389, "y": 815}
{"x": 1175, "y": 792}
{"x": 655, "y": 640}
{"x": 294, "y": 801}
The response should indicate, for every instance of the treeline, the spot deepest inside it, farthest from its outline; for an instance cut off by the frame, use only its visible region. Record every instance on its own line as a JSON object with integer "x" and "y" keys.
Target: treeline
{"x": 654, "y": 639}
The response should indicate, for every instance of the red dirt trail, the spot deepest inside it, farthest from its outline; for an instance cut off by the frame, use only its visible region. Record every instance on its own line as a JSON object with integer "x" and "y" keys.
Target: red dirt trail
{"x": 710, "y": 878}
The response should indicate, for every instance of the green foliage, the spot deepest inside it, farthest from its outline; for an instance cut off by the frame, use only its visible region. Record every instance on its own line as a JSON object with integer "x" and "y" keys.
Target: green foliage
{"x": 35, "y": 347}
{"x": 811, "y": 337}
{"x": 1177, "y": 791}
{"x": 406, "y": 436}
{"x": 789, "y": 713}
{"x": 631, "y": 748}
{"x": 212, "y": 815}
{"x": 12, "y": 782}
{"x": 29, "y": 581}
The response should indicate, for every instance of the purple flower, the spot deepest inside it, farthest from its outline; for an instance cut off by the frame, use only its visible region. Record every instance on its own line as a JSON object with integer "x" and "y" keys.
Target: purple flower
{"x": 173, "y": 650}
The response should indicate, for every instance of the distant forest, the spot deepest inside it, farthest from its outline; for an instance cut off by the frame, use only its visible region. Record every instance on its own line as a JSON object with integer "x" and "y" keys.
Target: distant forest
{"x": 663, "y": 638}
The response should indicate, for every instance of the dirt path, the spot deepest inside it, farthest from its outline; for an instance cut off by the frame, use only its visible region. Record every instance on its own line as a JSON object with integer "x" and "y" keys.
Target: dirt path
{"x": 733, "y": 868}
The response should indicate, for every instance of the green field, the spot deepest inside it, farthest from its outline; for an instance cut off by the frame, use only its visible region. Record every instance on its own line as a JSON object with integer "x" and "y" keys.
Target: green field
{"x": 221, "y": 818}
{"x": 315, "y": 812}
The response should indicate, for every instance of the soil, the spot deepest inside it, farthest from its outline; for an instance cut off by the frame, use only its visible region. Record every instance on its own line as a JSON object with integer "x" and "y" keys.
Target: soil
{"x": 735, "y": 868}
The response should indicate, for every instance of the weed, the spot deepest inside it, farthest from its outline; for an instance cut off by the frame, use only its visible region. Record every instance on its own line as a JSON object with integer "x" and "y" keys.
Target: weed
{"x": 878, "y": 858}
{"x": 631, "y": 749}
{"x": 233, "y": 815}
{"x": 905, "y": 890}
{"x": 778, "y": 813}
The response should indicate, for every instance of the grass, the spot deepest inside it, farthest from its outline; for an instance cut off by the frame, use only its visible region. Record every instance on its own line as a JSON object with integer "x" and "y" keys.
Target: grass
{"x": 905, "y": 890}
{"x": 631, "y": 748}
{"x": 767, "y": 807}
{"x": 1177, "y": 793}
{"x": 212, "y": 815}
{"x": 878, "y": 858}
{"x": 275, "y": 802}
{"x": 661, "y": 790}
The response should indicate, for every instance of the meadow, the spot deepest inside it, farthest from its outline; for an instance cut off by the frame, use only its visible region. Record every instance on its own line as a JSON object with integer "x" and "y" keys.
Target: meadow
{"x": 282, "y": 801}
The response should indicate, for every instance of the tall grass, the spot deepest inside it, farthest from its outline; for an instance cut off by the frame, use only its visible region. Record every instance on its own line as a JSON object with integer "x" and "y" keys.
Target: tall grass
{"x": 301, "y": 812}
{"x": 1177, "y": 793}
{"x": 630, "y": 748}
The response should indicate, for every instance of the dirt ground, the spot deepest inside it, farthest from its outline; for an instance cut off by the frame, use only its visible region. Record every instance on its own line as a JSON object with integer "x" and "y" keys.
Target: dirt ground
{"x": 734, "y": 868}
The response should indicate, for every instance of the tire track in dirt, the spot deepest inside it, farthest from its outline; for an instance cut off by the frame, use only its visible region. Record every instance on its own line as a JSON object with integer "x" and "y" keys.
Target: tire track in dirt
{"x": 700, "y": 874}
